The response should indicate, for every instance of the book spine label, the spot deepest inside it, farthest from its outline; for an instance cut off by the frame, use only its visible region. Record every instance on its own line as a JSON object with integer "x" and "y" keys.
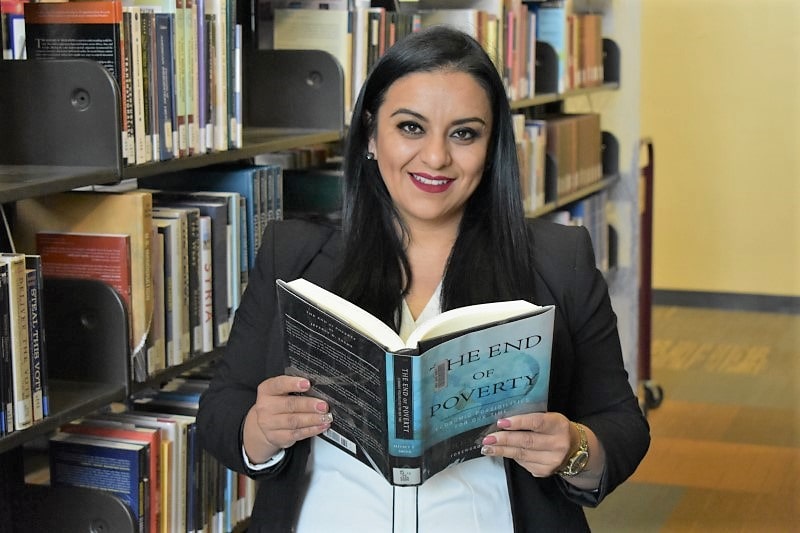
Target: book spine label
{"x": 403, "y": 418}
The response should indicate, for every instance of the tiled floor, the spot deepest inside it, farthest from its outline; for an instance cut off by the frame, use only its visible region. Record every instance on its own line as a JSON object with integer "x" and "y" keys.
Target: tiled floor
{"x": 725, "y": 454}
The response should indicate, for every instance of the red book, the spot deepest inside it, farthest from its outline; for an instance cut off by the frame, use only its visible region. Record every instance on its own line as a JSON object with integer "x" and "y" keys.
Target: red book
{"x": 102, "y": 256}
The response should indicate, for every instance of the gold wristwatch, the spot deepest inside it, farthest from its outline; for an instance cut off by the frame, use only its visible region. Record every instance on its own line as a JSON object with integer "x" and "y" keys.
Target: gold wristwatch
{"x": 576, "y": 462}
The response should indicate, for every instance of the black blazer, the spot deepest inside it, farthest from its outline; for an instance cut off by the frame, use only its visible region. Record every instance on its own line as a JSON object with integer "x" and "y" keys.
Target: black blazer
{"x": 588, "y": 382}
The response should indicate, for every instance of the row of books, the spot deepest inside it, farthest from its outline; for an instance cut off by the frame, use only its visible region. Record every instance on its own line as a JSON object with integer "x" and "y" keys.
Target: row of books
{"x": 591, "y": 213}
{"x": 23, "y": 355}
{"x": 357, "y": 34}
{"x": 178, "y": 249}
{"x": 150, "y": 457}
{"x": 177, "y": 64}
{"x": 573, "y": 145}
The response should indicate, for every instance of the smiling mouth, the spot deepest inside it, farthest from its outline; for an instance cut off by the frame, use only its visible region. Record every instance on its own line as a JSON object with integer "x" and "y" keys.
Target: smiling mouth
{"x": 431, "y": 181}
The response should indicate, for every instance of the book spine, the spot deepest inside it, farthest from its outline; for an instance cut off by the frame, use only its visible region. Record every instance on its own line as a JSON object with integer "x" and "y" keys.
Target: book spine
{"x": 180, "y": 76}
{"x": 201, "y": 77}
{"x": 20, "y": 347}
{"x": 404, "y": 420}
{"x": 194, "y": 275}
{"x": 137, "y": 70}
{"x": 150, "y": 84}
{"x": 244, "y": 247}
{"x": 185, "y": 295}
{"x": 164, "y": 60}
{"x": 206, "y": 283}
{"x": 190, "y": 43}
{"x": 6, "y": 368}
{"x": 36, "y": 336}
{"x": 127, "y": 91}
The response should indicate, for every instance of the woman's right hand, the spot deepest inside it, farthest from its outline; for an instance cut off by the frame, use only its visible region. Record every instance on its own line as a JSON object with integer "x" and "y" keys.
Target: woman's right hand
{"x": 282, "y": 416}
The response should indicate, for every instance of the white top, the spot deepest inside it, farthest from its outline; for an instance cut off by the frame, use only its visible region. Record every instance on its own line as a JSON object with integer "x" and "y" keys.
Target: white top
{"x": 345, "y": 495}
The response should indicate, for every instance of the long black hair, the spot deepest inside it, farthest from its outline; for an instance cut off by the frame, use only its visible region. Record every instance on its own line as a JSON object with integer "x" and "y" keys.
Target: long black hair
{"x": 491, "y": 258}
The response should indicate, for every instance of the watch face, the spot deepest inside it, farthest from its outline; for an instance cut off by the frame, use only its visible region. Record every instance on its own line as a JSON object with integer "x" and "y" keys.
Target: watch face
{"x": 581, "y": 459}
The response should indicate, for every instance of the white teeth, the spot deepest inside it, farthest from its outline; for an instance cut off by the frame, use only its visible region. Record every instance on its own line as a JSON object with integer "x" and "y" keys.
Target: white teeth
{"x": 428, "y": 181}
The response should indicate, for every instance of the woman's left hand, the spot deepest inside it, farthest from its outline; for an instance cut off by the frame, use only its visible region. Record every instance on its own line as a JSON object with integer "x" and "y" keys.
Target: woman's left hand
{"x": 541, "y": 443}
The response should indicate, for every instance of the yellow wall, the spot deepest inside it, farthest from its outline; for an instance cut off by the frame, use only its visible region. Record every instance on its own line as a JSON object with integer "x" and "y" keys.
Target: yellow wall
{"x": 721, "y": 101}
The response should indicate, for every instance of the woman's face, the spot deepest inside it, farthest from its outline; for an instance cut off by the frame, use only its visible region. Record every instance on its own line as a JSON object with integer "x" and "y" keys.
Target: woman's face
{"x": 430, "y": 144}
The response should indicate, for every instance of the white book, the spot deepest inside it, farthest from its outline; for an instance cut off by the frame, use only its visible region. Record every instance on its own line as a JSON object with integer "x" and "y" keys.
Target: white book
{"x": 20, "y": 348}
{"x": 206, "y": 285}
{"x": 177, "y": 324}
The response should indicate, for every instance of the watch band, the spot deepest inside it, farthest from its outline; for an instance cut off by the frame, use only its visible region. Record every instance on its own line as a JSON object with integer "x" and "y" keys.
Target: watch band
{"x": 576, "y": 463}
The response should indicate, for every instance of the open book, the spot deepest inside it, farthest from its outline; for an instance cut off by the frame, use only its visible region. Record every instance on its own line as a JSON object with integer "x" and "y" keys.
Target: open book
{"x": 410, "y": 409}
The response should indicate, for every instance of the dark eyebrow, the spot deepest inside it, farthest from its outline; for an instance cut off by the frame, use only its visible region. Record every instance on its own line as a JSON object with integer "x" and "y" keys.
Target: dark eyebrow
{"x": 405, "y": 111}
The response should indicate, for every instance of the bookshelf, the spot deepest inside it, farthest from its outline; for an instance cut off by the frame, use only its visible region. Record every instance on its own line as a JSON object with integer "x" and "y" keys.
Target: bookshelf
{"x": 71, "y": 139}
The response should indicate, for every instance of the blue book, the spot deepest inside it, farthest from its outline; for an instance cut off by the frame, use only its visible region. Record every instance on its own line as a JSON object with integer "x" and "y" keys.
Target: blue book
{"x": 120, "y": 468}
{"x": 551, "y": 28}
{"x": 166, "y": 106}
{"x": 410, "y": 409}
{"x": 231, "y": 178}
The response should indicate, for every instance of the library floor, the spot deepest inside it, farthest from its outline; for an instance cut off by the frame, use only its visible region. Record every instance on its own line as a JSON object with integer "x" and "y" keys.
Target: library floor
{"x": 725, "y": 451}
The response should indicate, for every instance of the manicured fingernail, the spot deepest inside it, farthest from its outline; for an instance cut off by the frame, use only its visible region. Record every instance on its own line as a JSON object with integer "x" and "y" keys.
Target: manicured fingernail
{"x": 327, "y": 418}
{"x": 504, "y": 423}
{"x": 303, "y": 385}
{"x": 487, "y": 450}
{"x": 321, "y": 407}
{"x": 489, "y": 439}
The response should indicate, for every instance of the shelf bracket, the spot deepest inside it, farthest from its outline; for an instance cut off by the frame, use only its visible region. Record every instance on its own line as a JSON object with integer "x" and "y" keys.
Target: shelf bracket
{"x": 293, "y": 89}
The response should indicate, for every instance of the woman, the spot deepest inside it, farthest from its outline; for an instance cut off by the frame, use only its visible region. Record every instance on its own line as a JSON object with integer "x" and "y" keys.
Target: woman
{"x": 433, "y": 220}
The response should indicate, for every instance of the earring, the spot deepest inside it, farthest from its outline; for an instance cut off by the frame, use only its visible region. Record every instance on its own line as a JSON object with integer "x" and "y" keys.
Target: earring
{"x": 369, "y": 156}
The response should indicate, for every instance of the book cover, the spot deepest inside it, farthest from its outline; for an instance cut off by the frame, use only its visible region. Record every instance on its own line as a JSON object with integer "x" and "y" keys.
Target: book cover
{"x": 443, "y": 389}
{"x": 127, "y": 213}
{"x": 20, "y": 345}
{"x": 36, "y": 337}
{"x": 149, "y": 436}
{"x": 69, "y": 30}
{"x": 118, "y": 467}
{"x": 101, "y": 256}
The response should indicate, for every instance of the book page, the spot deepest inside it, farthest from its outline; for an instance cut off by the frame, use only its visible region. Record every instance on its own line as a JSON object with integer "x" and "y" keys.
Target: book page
{"x": 469, "y": 317}
{"x": 348, "y": 312}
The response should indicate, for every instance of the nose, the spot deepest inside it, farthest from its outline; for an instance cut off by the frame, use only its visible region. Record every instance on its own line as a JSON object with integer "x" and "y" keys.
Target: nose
{"x": 436, "y": 152}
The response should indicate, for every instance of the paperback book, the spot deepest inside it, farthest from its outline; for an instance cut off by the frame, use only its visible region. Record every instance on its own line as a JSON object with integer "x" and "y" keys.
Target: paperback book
{"x": 411, "y": 409}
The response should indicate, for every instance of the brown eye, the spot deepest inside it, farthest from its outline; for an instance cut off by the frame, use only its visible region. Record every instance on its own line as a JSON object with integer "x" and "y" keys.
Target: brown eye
{"x": 411, "y": 128}
{"x": 465, "y": 134}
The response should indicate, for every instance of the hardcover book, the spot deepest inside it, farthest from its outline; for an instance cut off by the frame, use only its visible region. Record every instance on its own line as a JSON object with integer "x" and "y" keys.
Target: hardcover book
{"x": 118, "y": 467}
{"x": 411, "y": 409}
